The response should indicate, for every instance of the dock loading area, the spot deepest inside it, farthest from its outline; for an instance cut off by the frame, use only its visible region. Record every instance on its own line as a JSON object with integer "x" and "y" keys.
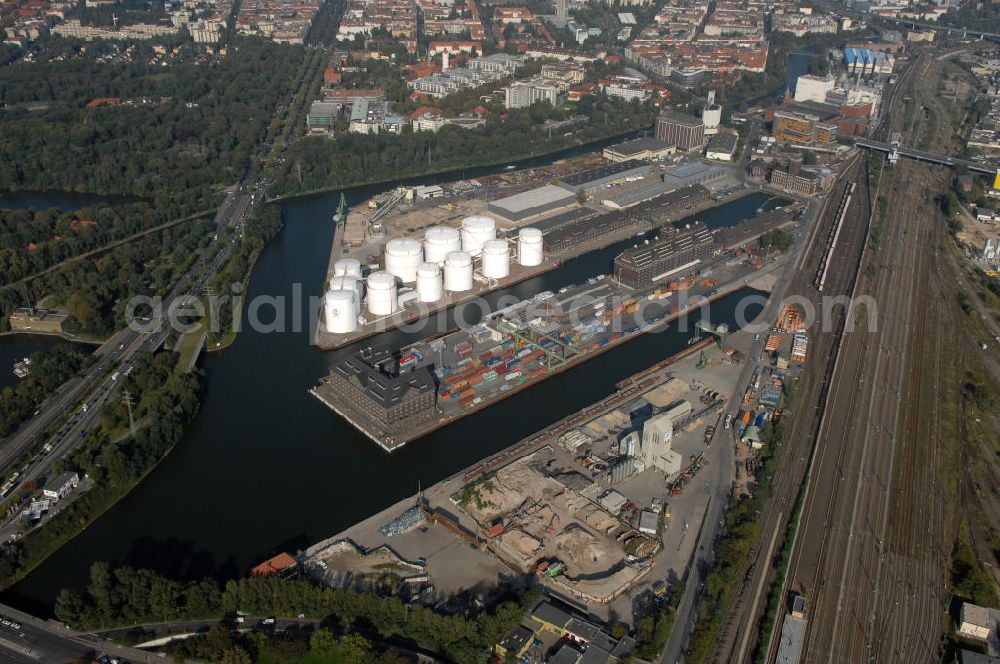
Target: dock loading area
{"x": 546, "y": 475}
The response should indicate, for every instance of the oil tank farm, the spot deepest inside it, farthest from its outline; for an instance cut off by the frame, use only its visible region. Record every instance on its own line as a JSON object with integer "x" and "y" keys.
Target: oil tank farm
{"x": 476, "y": 231}
{"x": 347, "y": 267}
{"x": 429, "y": 286}
{"x": 382, "y": 294}
{"x": 679, "y": 251}
{"x": 458, "y": 272}
{"x": 530, "y": 247}
{"x": 340, "y": 311}
{"x": 496, "y": 259}
{"x": 402, "y": 256}
{"x": 439, "y": 241}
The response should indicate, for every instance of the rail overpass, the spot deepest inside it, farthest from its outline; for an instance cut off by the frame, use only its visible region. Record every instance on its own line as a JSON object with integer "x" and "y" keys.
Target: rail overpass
{"x": 895, "y": 151}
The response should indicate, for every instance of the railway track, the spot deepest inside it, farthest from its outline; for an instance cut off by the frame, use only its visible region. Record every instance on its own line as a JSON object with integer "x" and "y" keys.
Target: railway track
{"x": 870, "y": 556}
{"x": 737, "y": 634}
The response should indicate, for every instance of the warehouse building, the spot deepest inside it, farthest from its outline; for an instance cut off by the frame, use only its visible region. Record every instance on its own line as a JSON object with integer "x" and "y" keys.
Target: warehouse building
{"x": 683, "y": 130}
{"x": 642, "y": 149}
{"x": 695, "y": 172}
{"x": 722, "y": 147}
{"x": 646, "y": 265}
{"x": 386, "y": 399}
{"x": 532, "y": 202}
{"x": 597, "y": 178}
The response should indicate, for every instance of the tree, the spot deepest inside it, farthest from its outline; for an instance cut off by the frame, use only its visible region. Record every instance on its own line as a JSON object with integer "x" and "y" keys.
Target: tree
{"x": 356, "y": 649}
{"x": 236, "y": 655}
{"x": 323, "y": 644}
{"x": 581, "y": 197}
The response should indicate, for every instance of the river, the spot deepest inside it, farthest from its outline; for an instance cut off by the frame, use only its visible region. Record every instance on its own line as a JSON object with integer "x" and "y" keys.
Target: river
{"x": 266, "y": 467}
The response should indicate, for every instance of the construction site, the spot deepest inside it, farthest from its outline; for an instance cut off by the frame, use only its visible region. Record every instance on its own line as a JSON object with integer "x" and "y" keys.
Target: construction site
{"x": 600, "y": 508}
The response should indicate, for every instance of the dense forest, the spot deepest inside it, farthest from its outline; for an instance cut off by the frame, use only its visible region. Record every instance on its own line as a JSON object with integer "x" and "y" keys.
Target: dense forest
{"x": 184, "y": 128}
{"x": 95, "y": 290}
{"x": 317, "y": 162}
{"x": 169, "y": 400}
{"x": 34, "y": 240}
{"x": 49, "y": 370}
{"x": 126, "y": 596}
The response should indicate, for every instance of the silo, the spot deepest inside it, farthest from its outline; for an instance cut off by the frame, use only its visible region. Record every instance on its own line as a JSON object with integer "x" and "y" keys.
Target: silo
{"x": 458, "y": 272}
{"x": 402, "y": 256}
{"x": 475, "y": 231}
{"x": 530, "y": 250}
{"x": 429, "y": 282}
{"x": 439, "y": 241}
{"x": 381, "y": 293}
{"x": 340, "y": 312}
{"x": 496, "y": 259}
{"x": 348, "y": 282}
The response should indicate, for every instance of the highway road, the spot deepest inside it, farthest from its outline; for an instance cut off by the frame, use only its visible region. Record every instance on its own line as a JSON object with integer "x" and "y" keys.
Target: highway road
{"x": 77, "y": 404}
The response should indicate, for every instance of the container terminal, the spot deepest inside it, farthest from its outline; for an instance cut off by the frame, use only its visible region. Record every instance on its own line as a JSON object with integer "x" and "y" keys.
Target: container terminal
{"x": 395, "y": 396}
{"x": 598, "y": 508}
{"x": 442, "y": 245}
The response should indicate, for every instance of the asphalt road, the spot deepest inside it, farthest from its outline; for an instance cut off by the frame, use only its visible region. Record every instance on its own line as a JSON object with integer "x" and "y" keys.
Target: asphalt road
{"x": 702, "y": 560}
{"x": 80, "y": 400}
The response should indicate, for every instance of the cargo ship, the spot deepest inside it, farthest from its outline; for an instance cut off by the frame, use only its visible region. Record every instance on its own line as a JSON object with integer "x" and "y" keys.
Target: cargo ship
{"x": 396, "y": 396}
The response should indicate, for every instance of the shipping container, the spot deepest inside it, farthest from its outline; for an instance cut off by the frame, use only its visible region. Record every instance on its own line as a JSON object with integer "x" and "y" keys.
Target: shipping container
{"x": 512, "y": 375}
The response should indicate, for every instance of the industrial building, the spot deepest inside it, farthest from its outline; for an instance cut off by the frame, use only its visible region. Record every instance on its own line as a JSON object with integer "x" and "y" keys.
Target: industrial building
{"x": 803, "y": 128}
{"x": 387, "y": 399}
{"x": 640, "y": 149}
{"x": 684, "y": 131}
{"x": 646, "y": 265}
{"x": 695, "y": 172}
{"x": 322, "y": 115}
{"x": 597, "y": 178}
{"x": 722, "y": 147}
{"x": 529, "y": 203}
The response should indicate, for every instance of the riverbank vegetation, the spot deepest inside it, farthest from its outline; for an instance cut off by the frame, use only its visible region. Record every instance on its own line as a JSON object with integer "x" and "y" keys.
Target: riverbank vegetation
{"x": 262, "y": 227}
{"x": 167, "y": 401}
{"x": 49, "y": 370}
{"x": 95, "y": 290}
{"x": 316, "y": 162}
{"x": 125, "y": 596}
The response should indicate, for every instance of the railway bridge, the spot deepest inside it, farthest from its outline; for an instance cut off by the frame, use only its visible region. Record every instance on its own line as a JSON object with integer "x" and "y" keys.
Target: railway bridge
{"x": 894, "y": 150}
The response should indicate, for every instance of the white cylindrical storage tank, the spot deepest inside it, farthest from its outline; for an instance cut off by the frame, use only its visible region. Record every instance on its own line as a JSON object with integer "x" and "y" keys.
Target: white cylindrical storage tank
{"x": 496, "y": 259}
{"x": 381, "y": 298}
{"x": 340, "y": 313}
{"x": 402, "y": 256}
{"x": 347, "y": 267}
{"x": 530, "y": 250}
{"x": 439, "y": 241}
{"x": 429, "y": 282}
{"x": 347, "y": 282}
{"x": 475, "y": 231}
{"x": 458, "y": 272}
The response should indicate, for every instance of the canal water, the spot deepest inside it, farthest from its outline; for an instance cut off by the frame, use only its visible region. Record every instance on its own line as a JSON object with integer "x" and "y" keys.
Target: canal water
{"x": 15, "y": 347}
{"x": 798, "y": 65}
{"x": 266, "y": 467}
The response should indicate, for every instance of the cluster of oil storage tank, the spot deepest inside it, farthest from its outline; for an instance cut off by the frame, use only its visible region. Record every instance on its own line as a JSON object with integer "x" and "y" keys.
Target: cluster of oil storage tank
{"x": 442, "y": 263}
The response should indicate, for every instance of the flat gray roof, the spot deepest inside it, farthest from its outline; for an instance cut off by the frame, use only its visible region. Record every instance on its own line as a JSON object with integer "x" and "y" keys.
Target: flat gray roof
{"x": 638, "y": 145}
{"x": 790, "y": 648}
{"x": 533, "y": 198}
